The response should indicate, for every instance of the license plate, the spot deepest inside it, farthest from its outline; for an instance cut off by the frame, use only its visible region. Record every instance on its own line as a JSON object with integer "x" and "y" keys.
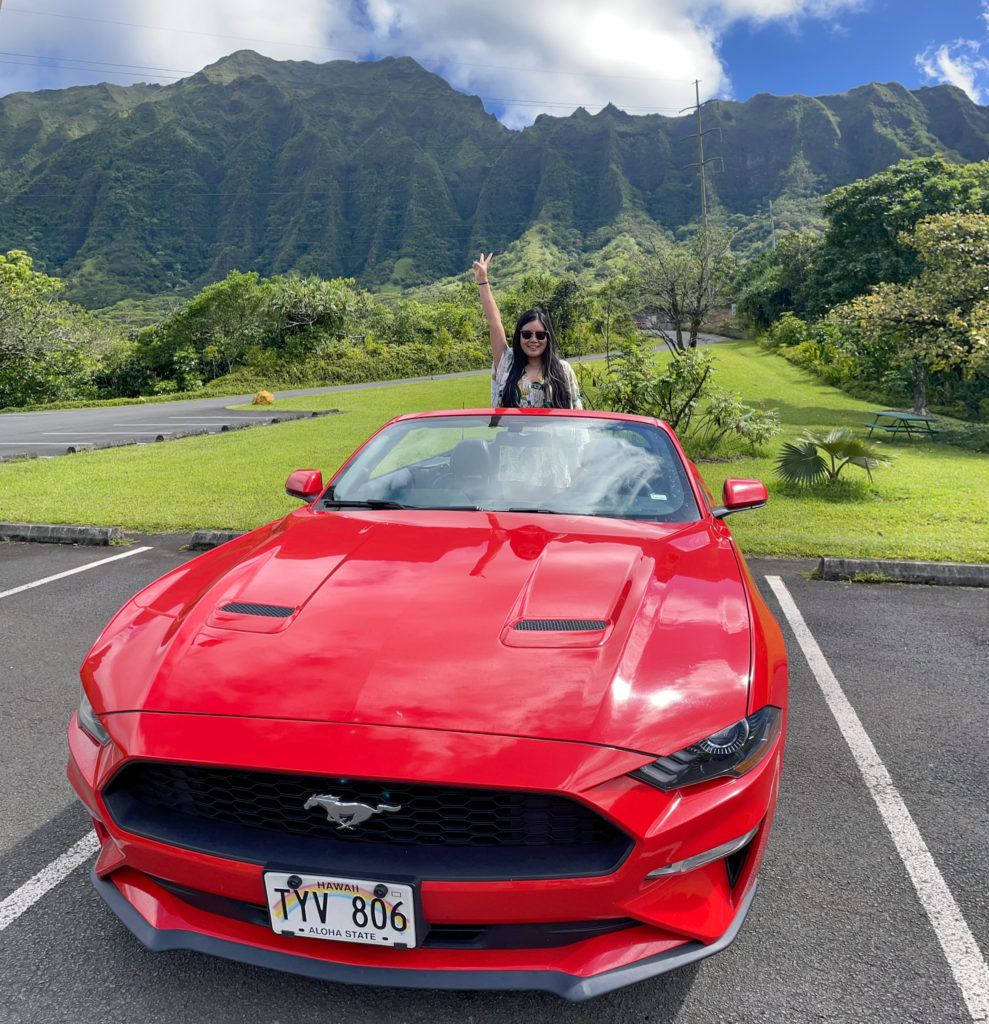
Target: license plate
{"x": 341, "y": 909}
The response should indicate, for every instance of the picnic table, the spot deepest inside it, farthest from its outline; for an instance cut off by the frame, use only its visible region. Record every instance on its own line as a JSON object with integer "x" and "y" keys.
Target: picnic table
{"x": 909, "y": 423}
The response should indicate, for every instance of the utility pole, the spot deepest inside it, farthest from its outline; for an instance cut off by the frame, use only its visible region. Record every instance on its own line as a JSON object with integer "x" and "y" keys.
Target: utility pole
{"x": 772, "y": 219}
{"x": 699, "y": 135}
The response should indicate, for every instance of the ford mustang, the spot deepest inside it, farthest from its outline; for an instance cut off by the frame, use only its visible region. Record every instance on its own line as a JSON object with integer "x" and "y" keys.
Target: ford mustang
{"x": 499, "y": 706}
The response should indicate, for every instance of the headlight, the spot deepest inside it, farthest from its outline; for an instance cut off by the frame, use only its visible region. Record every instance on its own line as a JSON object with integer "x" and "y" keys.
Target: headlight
{"x": 732, "y": 751}
{"x": 89, "y": 723}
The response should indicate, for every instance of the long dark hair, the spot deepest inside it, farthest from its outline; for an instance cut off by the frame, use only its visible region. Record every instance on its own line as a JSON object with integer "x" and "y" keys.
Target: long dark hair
{"x": 554, "y": 377}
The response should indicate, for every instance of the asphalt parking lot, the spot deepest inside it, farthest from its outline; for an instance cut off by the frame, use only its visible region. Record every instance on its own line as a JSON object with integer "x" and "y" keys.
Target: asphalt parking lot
{"x": 872, "y": 904}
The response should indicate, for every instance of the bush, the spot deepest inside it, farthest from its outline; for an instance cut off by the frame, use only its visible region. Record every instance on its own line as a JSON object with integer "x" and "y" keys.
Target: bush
{"x": 344, "y": 363}
{"x": 682, "y": 394}
{"x": 812, "y": 460}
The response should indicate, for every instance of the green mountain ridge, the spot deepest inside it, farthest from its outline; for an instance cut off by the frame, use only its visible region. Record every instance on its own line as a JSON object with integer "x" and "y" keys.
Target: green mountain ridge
{"x": 383, "y": 172}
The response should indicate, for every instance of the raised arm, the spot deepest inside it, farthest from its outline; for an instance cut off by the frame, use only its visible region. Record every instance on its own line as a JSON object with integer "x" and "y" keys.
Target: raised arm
{"x": 495, "y": 327}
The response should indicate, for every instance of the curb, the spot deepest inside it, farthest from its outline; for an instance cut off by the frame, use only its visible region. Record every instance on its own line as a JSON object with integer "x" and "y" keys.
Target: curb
{"x": 878, "y": 570}
{"x": 50, "y": 533}
{"x": 203, "y": 540}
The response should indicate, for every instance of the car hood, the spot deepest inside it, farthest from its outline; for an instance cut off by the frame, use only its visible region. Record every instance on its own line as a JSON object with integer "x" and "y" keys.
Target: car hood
{"x": 626, "y": 634}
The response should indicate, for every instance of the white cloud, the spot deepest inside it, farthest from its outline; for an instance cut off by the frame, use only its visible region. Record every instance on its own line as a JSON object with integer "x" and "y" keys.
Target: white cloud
{"x": 522, "y": 57}
{"x": 957, "y": 63}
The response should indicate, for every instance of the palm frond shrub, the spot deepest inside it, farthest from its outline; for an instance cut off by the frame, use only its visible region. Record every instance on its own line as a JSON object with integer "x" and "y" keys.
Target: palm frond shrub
{"x": 811, "y": 459}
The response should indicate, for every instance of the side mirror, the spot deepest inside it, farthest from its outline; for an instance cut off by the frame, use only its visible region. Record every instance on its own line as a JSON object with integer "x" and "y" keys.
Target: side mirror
{"x": 738, "y": 495}
{"x": 306, "y": 484}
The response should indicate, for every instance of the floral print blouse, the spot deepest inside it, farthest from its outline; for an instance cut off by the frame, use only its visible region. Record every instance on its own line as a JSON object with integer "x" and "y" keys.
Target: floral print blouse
{"x": 534, "y": 394}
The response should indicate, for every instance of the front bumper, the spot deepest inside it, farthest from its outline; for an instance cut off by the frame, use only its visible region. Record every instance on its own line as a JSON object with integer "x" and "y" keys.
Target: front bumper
{"x": 671, "y": 920}
{"x": 559, "y": 982}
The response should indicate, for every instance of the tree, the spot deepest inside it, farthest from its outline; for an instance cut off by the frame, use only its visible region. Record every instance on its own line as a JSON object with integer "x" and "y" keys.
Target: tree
{"x": 869, "y": 220}
{"x": 47, "y": 348}
{"x": 613, "y": 304}
{"x": 27, "y": 312}
{"x": 779, "y": 281}
{"x": 310, "y": 311}
{"x": 941, "y": 319}
{"x": 685, "y": 281}
{"x": 226, "y": 319}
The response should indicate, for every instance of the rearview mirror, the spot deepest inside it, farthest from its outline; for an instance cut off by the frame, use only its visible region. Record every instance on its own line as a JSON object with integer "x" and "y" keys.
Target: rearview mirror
{"x": 306, "y": 484}
{"x": 738, "y": 495}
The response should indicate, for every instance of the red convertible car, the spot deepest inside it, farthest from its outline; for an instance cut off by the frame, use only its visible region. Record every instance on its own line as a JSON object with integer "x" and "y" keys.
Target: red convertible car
{"x": 499, "y": 707}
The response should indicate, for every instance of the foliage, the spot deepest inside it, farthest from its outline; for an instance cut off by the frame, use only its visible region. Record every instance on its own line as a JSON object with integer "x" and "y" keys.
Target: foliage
{"x": 380, "y": 172}
{"x": 823, "y": 348}
{"x": 353, "y": 364}
{"x": 683, "y": 281}
{"x": 307, "y": 313}
{"x": 778, "y": 281}
{"x": 864, "y": 242}
{"x": 682, "y": 394}
{"x": 247, "y": 332}
{"x": 48, "y": 349}
{"x": 612, "y": 306}
{"x": 813, "y": 459}
{"x": 727, "y": 417}
{"x": 869, "y": 220}
{"x": 235, "y": 480}
{"x": 940, "y": 320}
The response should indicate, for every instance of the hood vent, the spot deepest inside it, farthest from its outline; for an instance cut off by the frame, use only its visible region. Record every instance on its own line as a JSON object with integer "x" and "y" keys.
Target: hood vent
{"x": 561, "y": 625}
{"x": 268, "y": 611}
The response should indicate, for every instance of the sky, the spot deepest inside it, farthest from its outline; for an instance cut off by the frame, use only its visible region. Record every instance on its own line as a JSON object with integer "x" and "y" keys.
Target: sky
{"x": 522, "y": 57}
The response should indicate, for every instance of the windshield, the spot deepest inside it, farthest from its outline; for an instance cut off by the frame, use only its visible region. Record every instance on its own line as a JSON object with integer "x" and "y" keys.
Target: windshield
{"x": 565, "y": 465}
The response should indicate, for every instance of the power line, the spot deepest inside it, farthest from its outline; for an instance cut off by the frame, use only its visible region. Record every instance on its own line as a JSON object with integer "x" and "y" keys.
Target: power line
{"x": 121, "y": 68}
{"x": 177, "y": 74}
{"x": 349, "y": 54}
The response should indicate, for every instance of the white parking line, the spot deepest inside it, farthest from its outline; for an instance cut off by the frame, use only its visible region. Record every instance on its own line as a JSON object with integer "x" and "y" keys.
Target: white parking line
{"x": 47, "y": 878}
{"x": 960, "y": 948}
{"x": 71, "y": 572}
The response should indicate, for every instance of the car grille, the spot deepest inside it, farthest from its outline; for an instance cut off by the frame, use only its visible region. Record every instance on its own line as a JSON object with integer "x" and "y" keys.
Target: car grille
{"x": 438, "y": 831}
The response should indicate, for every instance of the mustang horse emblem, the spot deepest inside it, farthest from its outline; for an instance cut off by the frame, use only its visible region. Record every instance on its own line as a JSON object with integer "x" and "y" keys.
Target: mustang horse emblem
{"x": 347, "y": 814}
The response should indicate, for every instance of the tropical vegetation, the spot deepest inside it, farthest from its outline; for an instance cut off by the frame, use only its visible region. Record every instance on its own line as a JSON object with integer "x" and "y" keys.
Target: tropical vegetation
{"x": 881, "y": 291}
{"x": 930, "y": 506}
{"x": 381, "y": 172}
{"x": 890, "y": 301}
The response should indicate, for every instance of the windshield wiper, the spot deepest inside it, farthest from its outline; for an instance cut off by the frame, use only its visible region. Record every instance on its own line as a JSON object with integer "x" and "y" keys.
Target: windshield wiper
{"x": 384, "y": 503}
{"x": 369, "y": 503}
{"x": 539, "y": 511}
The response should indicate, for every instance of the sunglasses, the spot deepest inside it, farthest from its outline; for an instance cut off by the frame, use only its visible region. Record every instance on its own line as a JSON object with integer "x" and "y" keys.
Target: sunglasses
{"x": 540, "y": 335}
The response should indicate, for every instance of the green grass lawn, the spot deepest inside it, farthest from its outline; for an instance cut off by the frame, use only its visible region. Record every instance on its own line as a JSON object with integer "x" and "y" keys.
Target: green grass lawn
{"x": 931, "y": 504}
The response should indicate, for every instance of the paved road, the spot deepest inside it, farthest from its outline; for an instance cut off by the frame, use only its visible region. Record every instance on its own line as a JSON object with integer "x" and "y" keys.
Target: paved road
{"x": 837, "y": 932}
{"x": 65, "y": 431}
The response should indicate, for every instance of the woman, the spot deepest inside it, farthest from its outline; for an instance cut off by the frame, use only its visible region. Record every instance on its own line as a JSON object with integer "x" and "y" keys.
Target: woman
{"x": 528, "y": 374}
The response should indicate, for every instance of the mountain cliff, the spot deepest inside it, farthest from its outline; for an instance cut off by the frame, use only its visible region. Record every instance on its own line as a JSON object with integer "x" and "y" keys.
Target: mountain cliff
{"x": 383, "y": 172}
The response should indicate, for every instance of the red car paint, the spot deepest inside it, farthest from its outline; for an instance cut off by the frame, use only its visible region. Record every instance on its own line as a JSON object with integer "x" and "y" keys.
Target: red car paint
{"x": 393, "y": 653}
